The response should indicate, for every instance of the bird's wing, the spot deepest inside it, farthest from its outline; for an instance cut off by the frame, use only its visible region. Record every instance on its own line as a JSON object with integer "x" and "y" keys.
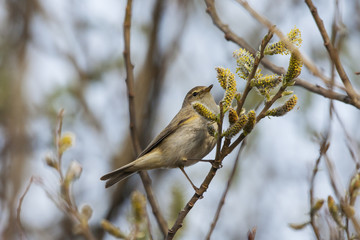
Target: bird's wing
{"x": 171, "y": 128}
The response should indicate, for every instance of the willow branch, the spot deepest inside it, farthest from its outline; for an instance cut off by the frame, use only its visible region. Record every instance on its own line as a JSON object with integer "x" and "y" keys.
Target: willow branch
{"x": 231, "y": 36}
{"x": 257, "y": 61}
{"x": 313, "y": 69}
{"x": 130, "y": 91}
{"x": 333, "y": 52}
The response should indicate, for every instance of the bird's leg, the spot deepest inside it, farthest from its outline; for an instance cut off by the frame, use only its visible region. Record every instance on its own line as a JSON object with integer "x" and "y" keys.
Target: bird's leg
{"x": 212, "y": 162}
{"x": 187, "y": 177}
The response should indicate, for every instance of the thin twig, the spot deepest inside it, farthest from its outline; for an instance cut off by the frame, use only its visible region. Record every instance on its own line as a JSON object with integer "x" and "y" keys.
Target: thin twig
{"x": 325, "y": 92}
{"x": 334, "y": 179}
{"x": 228, "y": 185}
{"x": 70, "y": 206}
{"x": 60, "y": 118}
{"x": 131, "y": 95}
{"x": 350, "y": 140}
{"x": 324, "y": 147}
{"x": 18, "y": 210}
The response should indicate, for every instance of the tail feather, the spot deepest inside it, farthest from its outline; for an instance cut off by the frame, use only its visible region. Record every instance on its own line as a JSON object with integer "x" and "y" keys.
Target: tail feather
{"x": 118, "y": 174}
{"x": 118, "y": 178}
{"x": 149, "y": 161}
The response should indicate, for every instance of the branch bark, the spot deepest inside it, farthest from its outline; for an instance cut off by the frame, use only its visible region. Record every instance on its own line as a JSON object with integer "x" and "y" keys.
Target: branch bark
{"x": 135, "y": 141}
{"x": 333, "y": 53}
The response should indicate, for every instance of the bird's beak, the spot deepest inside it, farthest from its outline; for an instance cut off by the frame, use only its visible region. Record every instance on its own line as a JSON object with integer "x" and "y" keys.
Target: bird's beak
{"x": 208, "y": 88}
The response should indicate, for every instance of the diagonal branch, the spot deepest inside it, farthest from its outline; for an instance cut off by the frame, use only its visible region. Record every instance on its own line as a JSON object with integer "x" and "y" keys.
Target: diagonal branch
{"x": 130, "y": 90}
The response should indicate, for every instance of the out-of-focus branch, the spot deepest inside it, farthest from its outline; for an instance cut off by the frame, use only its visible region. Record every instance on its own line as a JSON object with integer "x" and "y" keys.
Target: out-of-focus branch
{"x": 130, "y": 89}
{"x": 324, "y": 147}
{"x": 16, "y": 146}
{"x": 333, "y": 53}
{"x": 252, "y": 233}
{"x": 18, "y": 210}
{"x": 147, "y": 90}
{"x": 130, "y": 77}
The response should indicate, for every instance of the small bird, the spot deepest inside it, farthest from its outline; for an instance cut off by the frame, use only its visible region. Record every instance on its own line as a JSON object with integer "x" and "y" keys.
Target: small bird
{"x": 185, "y": 141}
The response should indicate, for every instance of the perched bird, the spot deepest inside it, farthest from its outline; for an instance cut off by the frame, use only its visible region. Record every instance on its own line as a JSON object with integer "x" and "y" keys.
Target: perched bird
{"x": 185, "y": 141}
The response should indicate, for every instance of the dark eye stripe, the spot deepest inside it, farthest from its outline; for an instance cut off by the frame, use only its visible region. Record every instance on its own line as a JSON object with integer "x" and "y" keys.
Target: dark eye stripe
{"x": 195, "y": 93}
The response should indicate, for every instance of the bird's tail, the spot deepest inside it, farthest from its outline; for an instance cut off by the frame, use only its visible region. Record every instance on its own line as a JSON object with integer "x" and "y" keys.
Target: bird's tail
{"x": 149, "y": 161}
{"x": 119, "y": 174}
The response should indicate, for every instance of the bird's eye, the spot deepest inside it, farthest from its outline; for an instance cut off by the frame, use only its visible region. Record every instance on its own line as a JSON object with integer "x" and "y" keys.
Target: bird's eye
{"x": 195, "y": 93}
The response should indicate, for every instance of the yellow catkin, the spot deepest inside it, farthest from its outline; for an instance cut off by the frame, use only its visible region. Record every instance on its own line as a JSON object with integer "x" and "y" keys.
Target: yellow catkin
{"x": 236, "y": 127}
{"x": 294, "y": 37}
{"x": 317, "y": 206}
{"x": 229, "y": 92}
{"x": 138, "y": 202}
{"x": 267, "y": 81}
{"x": 275, "y": 48}
{"x": 233, "y": 117}
{"x": 66, "y": 141}
{"x": 245, "y": 62}
{"x": 222, "y": 76}
{"x": 354, "y": 185}
{"x": 282, "y": 110}
{"x": 204, "y": 111}
{"x": 334, "y": 210}
{"x": 238, "y": 96}
{"x": 250, "y": 122}
{"x": 294, "y": 69}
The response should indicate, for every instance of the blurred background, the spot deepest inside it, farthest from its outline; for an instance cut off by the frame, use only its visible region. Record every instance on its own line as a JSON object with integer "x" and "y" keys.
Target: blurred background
{"x": 68, "y": 54}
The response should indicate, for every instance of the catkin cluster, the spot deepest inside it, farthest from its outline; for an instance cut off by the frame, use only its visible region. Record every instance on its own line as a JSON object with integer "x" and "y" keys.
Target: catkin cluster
{"x": 240, "y": 119}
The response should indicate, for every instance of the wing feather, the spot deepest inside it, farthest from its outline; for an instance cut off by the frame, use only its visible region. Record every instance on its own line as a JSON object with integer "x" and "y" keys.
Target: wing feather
{"x": 170, "y": 129}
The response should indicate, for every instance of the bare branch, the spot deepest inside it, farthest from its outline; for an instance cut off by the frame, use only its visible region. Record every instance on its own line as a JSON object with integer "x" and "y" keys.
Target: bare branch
{"x": 130, "y": 90}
